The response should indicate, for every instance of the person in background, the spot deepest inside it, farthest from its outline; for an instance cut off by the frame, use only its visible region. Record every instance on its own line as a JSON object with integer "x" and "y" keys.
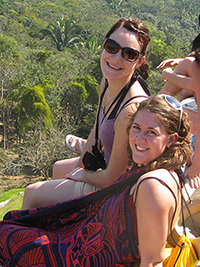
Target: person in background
{"x": 122, "y": 61}
{"x": 117, "y": 225}
{"x": 194, "y": 169}
{"x": 179, "y": 81}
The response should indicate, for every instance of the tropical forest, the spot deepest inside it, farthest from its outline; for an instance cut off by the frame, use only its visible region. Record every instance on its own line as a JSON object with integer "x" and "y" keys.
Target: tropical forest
{"x": 50, "y": 71}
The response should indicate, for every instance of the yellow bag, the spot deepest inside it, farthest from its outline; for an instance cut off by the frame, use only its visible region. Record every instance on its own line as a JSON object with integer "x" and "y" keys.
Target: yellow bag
{"x": 181, "y": 256}
{"x": 184, "y": 250}
{"x": 193, "y": 222}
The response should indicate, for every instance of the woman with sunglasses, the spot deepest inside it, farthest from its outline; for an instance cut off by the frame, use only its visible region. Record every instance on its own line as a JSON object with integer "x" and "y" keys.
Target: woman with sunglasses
{"x": 117, "y": 225}
{"x": 123, "y": 58}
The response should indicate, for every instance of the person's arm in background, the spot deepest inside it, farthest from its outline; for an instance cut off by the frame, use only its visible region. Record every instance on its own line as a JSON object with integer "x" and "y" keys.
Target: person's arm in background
{"x": 181, "y": 81}
{"x": 183, "y": 68}
{"x": 194, "y": 169}
{"x": 170, "y": 62}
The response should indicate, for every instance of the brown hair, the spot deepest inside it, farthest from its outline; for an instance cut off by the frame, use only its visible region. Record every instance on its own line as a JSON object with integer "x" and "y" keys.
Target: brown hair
{"x": 142, "y": 32}
{"x": 178, "y": 153}
{"x": 197, "y": 56}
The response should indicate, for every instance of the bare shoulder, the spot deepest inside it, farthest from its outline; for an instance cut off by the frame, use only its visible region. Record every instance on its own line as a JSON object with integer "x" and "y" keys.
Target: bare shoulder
{"x": 161, "y": 174}
{"x": 162, "y": 178}
{"x": 123, "y": 119}
{"x": 188, "y": 60}
{"x": 155, "y": 191}
{"x": 127, "y": 111}
{"x": 102, "y": 85}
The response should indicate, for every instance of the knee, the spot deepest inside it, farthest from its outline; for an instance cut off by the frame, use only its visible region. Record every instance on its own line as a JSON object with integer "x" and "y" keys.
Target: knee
{"x": 29, "y": 197}
{"x": 29, "y": 190}
{"x": 62, "y": 167}
{"x": 55, "y": 169}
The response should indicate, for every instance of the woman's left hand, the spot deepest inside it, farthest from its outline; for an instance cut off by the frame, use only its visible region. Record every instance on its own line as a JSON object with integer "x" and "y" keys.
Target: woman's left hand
{"x": 76, "y": 174}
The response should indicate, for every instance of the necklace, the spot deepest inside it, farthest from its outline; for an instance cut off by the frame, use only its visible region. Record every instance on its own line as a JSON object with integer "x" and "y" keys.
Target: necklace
{"x": 103, "y": 106}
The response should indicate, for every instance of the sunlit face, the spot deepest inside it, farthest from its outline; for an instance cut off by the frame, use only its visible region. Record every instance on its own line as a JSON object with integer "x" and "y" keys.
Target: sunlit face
{"x": 114, "y": 66}
{"x": 147, "y": 138}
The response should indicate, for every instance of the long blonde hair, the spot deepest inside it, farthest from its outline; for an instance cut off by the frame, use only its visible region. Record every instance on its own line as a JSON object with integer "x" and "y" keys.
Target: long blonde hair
{"x": 178, "y": 153}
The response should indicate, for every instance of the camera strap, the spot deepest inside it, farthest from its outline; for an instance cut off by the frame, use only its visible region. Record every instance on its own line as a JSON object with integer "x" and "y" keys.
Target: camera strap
{"x": 122, "y": 93}
{"x": 120, "y": 97}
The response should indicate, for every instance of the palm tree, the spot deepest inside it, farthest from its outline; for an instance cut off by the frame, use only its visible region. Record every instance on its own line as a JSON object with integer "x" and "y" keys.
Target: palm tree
{"x": 92, "y": 44}
{"x": 65, "y": 33}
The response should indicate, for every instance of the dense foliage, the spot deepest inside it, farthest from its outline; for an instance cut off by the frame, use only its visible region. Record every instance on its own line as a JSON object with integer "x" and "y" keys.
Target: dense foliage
{"x": 49, "y": 67}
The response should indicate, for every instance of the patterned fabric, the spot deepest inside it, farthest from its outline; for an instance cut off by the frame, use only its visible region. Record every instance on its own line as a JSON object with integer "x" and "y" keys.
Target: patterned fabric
{"x": 95, "y": 230}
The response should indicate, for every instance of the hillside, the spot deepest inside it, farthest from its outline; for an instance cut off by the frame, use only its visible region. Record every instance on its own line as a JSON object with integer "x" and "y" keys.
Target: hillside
{"x": 50, "y": 71}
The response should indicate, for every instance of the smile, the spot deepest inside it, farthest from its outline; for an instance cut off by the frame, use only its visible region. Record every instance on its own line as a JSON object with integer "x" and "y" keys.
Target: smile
{"x": 141, "y": 148}
{"x": 113, "y": 67}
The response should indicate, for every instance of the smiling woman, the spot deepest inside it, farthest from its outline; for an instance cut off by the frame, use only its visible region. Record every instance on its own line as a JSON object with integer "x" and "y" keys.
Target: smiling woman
{"x": 146, "y": 140}
{"x": 122, "y": 61}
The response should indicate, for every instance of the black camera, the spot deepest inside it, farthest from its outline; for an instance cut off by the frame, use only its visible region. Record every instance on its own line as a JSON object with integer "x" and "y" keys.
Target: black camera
{"x": 94, "y": 160}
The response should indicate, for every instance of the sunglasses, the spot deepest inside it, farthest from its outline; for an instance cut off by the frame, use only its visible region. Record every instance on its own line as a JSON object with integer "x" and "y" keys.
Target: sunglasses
{"x": 113, "y": 47}
{"x": 173, "y": 102}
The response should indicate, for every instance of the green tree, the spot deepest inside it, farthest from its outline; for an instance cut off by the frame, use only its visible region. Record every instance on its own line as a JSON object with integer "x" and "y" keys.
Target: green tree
{"x": 92, "y": 44}
{"x": 43, "y": 55}
{"x": 80, "y": 101}
{"x": 65, "y": 33}
{"x": 7, "y": 44}
{"x": 33, "y": 108}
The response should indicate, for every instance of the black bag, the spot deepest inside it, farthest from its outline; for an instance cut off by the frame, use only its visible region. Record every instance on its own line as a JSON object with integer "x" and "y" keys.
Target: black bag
{"x": 94, "y": 160}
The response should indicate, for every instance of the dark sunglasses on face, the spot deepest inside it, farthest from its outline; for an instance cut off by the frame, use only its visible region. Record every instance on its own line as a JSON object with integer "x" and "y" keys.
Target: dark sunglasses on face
{"x": 113, "y": 47}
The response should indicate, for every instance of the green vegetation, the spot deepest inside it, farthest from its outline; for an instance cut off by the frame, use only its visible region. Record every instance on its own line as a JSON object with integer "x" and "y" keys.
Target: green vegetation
{"x": 15, "y": 197}
{"x": 50, "y": 71}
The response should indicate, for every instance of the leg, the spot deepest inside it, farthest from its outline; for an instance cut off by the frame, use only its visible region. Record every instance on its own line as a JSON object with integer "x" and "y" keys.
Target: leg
{"x": 49, "y": 192}
{"x": 62, "y": 167}
{"x": 193, "y": 117}
{"x": 183, "y": 94}
{"x": 170, "y": 89}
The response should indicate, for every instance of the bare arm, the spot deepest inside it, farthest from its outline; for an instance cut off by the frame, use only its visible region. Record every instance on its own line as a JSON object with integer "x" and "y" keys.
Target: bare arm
{"x": 179, "y": 80}
{"x": 169, "y": 62}
{"x": 154, "y": 215}
{"x": 118, "y": 162}
{"x": 183, "y": 68}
